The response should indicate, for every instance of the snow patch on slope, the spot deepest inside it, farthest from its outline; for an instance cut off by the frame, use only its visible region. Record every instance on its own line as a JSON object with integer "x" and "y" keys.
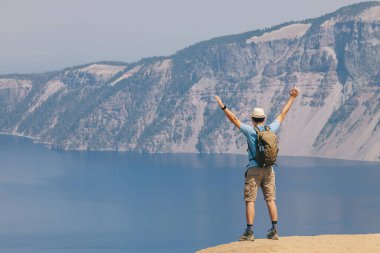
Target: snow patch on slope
{"x": 159, "y": 67}
{"x": 127, "y": 75}
{"x": 50, "y": 89}
{"x": 328, "y": 23}
{"x": 163, "y": 66}
{"x": 102, "y": 71}
{"x": 19, "y": 88}
{"x": 371, "y": 14}
{"x": 12, "y": 83}
{"x": 292, "y": 31}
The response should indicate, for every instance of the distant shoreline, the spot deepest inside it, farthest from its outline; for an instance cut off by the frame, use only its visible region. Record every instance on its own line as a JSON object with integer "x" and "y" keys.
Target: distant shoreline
{"x": 48, "y": 144}
{"x": 368, "y": 243}
{"x": 34, "y": 139}
{"x": 18, "y": 135}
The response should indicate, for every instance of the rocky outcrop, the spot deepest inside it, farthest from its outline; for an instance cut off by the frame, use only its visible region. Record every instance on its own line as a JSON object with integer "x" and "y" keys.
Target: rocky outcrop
{"x": 166, "y": 104}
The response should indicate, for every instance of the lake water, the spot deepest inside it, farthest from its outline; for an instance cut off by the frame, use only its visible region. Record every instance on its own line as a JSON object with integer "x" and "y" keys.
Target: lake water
{"x": 54, "y": 201}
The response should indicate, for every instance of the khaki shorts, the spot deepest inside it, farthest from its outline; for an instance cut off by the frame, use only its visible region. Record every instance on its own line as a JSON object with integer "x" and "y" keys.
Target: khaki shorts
{"x": 263, "y": 177}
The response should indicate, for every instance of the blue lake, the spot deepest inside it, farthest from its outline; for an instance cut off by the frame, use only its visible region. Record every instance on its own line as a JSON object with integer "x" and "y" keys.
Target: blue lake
{"x": 54, "y": 201}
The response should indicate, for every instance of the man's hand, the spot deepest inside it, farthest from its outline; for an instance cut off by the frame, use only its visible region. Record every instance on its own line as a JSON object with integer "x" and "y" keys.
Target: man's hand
{"x": 293, "y": 94}
{"x": 294, "y": 91}
{"x": 217, "y": 98}
{"x": 228, "y": 113}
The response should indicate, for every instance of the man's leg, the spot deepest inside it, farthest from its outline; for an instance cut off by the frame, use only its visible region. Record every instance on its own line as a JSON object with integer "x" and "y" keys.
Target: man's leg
{"x": 250, "y": 216}
{"x": 250, "y": 212}
{"x": 250, "y": 192}
{"x": 272, "y": 209}
{"x": 269, "y": 190}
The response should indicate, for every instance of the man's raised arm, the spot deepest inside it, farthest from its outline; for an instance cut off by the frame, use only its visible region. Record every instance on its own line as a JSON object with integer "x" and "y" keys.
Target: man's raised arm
{"x": 293, "y": 94}
{"x": 228, "y": 113}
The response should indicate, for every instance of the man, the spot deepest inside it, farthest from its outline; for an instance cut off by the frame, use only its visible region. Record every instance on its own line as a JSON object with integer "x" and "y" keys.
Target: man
{"x": 257, "y": 176}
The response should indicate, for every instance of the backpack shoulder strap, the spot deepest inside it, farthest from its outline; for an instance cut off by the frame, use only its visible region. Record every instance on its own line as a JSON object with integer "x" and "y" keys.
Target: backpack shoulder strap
{"x": 256, "y": 129}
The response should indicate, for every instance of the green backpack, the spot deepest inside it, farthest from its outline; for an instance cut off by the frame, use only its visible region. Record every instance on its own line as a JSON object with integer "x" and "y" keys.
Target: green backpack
{"x": 266, "y": 147}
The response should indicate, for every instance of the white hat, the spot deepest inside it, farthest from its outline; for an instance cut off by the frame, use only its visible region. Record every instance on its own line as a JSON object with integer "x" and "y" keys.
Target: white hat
{"x": 258, "y": 113}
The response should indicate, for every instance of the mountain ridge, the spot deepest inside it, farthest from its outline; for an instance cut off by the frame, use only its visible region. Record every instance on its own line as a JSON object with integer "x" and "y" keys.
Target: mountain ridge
{"x": 165, "y": 104}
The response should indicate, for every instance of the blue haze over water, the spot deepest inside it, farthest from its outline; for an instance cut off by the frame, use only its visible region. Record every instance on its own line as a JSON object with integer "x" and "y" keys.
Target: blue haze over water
{"x": 54, "y": 201}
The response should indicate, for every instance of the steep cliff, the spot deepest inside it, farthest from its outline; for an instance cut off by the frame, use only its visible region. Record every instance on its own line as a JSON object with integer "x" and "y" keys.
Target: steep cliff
{"x": 165, "y": 104}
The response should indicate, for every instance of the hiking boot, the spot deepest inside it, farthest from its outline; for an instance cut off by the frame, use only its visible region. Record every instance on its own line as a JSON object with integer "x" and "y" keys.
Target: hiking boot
{"x": 272, "y": 234}
{"x": 247, "y": 236}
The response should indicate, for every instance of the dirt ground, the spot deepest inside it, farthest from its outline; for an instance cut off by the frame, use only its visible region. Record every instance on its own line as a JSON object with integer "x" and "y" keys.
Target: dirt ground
{"x": 369, "y": 243}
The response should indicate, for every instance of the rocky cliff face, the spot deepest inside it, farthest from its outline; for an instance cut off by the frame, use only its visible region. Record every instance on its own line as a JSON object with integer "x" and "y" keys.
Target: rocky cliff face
{"x": 166, "y": 104}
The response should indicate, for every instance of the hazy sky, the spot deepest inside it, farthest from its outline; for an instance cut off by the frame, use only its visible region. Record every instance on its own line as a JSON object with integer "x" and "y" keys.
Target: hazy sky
{"x": 41, "y": 35}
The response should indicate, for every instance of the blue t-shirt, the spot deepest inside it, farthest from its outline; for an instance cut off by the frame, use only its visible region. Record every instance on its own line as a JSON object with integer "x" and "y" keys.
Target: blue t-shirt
{"x": 251, "y": 136}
